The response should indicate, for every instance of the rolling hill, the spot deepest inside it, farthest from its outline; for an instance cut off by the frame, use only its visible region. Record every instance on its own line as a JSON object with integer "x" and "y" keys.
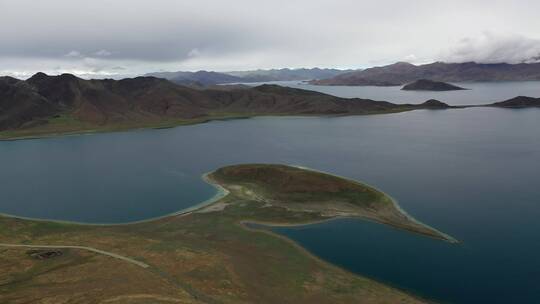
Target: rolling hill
{"x": 72, "y": 104}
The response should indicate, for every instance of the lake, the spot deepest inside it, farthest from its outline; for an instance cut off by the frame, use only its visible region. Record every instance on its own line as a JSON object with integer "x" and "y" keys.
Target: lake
{"x": 478, "y": 93}
{"x": 472, "y": 173}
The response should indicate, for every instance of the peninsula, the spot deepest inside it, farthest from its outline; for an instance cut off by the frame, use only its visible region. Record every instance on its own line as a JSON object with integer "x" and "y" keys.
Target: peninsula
{"x": 50, "y": 105}
{"x": 206, "y": 255}
{"x": 59, "y": 105}
{"x": 328, "y": 196}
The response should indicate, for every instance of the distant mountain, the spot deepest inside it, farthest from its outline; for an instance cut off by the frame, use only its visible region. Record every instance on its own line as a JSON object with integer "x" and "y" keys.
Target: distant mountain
{"x": 287, "y": 74}
{"x": 430, "y": 85}
{"x": 205, "y": 78}
{"x": 200, "y": 78}
{"x": 402, "y": 73}
{"x": 72, "y": 104}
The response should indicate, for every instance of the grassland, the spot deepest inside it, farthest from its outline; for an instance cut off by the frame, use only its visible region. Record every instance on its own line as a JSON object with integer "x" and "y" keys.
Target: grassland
{"x": 305, "y": 190}
{"x": 68, "y": 124}
{"x": 204, "y": 256}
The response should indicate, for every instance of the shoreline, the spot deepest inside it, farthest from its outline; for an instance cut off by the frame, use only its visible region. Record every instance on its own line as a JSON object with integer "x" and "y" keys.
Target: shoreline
{"x": 243, "y": 224}
{"x": 221, "y": 193}
{"x": 195, "y": 122}
{"x": 445, "y": 237}
{"x": 212, "y": 119}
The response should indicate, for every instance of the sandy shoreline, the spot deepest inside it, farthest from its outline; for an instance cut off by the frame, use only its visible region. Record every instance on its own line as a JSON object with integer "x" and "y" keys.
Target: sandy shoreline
{"x": 222, "y": 192}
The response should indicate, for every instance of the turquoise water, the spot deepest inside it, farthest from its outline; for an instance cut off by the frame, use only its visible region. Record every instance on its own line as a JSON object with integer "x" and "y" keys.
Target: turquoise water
{"x": 472, "y": 173}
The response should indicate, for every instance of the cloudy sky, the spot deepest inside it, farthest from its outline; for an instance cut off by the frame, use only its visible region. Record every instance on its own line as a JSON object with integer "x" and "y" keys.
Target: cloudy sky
{"x": 111, "y": 38}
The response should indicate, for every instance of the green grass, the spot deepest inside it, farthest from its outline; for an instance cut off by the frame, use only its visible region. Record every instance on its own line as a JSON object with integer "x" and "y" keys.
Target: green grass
{"x": 67, "y": 124}
{"x": 294, "y": 185}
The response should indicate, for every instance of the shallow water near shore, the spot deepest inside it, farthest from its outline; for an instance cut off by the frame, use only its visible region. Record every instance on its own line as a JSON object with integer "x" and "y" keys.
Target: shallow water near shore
{"x": 471, "y": 173}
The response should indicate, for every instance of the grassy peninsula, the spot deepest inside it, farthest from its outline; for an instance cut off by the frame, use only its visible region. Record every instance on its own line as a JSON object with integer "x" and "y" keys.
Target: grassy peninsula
{"x": 206, "y": 255}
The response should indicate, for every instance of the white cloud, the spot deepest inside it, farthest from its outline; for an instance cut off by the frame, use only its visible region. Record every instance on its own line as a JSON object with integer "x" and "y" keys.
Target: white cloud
{"x": 102, "y": 53}
{"x": 231, "y": 35}
{"x": 411, "y": 58}
{"x": 73, "y": 54}
{"x": 494, "y": 48}
{"x": 194, "y": 53}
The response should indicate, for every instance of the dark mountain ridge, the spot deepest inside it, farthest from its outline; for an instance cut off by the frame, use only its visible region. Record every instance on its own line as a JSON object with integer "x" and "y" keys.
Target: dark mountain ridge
{"x": 199, "y": 78}
{"x": 65, "y": 104}
{"x": 150, "y": 101}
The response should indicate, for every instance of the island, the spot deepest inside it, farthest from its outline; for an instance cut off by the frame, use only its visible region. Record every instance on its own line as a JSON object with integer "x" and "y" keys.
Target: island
{"x": 430, "y": 85}
{"x": 208, "y": 254}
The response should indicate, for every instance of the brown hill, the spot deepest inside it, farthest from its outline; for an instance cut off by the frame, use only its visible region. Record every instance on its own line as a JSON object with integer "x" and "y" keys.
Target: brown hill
{"x": 20, "y": 103}
{"x": 149, "y": 101}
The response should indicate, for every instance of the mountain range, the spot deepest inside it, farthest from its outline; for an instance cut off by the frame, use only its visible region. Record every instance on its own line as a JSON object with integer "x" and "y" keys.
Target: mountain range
{"x": 70, "y": 103}
{"x": 402, "y": 73}
{"x": 208, "y": 78}
{"x": 43, "y": 104}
